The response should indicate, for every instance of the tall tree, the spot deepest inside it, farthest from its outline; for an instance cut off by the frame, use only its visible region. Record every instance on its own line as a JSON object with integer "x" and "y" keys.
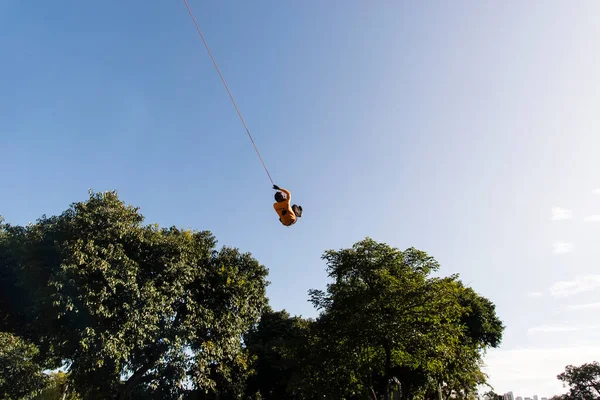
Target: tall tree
{"x": 583, "y": 381}
{"x": 382, "y": 308}
{"x": 131, "y": 307}
{"x": 386, "y": 319}
{"x": 280, "y": 346}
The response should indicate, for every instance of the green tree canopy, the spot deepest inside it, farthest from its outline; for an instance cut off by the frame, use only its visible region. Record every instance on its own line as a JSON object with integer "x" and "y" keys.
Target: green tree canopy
{"x": 129, "y": 306}
{"x": 280, "y": 347}
{"x": 386, "y": 320}
{"x": 583, "y": 381}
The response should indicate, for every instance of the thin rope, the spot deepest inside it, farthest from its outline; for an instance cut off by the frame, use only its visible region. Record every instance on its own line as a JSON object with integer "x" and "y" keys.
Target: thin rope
{"x": 227, "y": 88}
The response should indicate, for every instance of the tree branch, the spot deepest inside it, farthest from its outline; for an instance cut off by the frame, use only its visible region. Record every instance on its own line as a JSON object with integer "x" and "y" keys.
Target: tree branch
{"x": 138, "y": 375}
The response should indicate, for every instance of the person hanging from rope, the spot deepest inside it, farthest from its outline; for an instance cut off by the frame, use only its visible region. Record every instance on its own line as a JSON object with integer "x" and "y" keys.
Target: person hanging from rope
{"x": 288, "y": 215}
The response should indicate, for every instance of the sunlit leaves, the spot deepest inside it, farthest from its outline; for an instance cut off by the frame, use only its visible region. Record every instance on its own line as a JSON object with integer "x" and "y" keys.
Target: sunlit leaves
{"x": 384, "y": 316}
{"x": 129, "y": 306}
{"x": 20, "y": 370}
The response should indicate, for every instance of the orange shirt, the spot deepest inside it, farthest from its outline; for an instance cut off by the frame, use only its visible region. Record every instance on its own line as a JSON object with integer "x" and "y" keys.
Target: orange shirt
{"x": 284, "y": 209}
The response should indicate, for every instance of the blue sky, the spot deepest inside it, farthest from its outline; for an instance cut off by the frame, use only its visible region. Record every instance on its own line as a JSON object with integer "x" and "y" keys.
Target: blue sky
{"x": 467, "y": 130}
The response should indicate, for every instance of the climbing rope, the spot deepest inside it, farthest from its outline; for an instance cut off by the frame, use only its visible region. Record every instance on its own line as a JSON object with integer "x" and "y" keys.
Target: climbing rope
{"x": 227, "y": 88}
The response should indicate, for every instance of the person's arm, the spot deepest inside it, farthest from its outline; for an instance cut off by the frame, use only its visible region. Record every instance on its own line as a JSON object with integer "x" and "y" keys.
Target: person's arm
{"x": 287, "y": 192}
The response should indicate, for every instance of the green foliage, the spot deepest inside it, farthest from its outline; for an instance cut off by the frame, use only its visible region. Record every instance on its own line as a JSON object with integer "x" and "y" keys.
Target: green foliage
{"x": 20, "y": 371}
{"x": 491, "y": 395}
{"x": 484, "y": 327}
{"x": 57, "y": 387}
{"x": 137, "y": 311}
{"x": 116, "y": 299}
{"x": 481, "y": 329}
{"x": 384, "y": 317}
{"x": 279, "y": 345}
{"x": 583, "y": 381}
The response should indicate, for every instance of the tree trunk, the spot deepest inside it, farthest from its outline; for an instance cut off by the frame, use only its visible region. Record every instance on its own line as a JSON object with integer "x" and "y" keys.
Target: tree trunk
{"x": 371, "y": 388}
{"x": 162, "y": 349}
{"x": 388, "y": 368}
{"x": 139, "y": 374}
{"x": 373, "y": 393}
{"x": 135, "y": 378}
{"x": 65, "y": 392}
{"x": 406, "y": 388}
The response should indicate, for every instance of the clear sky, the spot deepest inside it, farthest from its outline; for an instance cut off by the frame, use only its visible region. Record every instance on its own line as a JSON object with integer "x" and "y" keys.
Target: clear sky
{"x": 469, "y": 130}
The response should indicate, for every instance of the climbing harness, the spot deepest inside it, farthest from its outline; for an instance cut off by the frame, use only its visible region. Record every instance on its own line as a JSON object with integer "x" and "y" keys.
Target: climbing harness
{"x": 227, "y": 88}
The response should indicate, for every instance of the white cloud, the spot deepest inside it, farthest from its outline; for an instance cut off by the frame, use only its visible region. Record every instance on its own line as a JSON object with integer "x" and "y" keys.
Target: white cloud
{"x": 581, "y": 283}
{"x": 589, "y": 306}
{"x": 562, "y": 247}
{"x": 553, "y": 329}
{"x": 561, "y": 213}
{"x": 597, "y": 191}
{"x": 533, "y": 370}
{"x": 535, "y": 294}
{"x": 592, "y": 218}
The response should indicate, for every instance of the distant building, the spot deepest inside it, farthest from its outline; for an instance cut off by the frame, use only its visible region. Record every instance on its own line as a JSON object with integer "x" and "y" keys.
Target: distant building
{"x": 544, "y": 398}
{"x": 519, "y": 398}
{"x": 535, "y": 397}
{"x": 508, "y": 396}
{"x": 528, "y": 398}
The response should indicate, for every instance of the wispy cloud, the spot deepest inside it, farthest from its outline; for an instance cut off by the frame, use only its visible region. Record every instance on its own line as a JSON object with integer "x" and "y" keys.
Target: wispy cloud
{"x": 592, "y": 218}
{"x": 553, "y": 329}
{"x": 589, "y": 306}
{"x": 561, "y": 214}
{"x": 562, "y": 247}
{"x": 581, "y": 283}
{"x": 535, "y": 294}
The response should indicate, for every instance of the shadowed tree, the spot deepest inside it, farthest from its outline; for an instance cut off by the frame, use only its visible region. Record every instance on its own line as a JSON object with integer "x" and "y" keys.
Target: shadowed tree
{"x": 583, "y": 381}
{"x": 279, "y": 345}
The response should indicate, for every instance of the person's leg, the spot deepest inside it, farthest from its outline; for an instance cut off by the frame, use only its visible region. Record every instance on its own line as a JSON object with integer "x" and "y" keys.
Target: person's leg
{"x": 297, "y": 210}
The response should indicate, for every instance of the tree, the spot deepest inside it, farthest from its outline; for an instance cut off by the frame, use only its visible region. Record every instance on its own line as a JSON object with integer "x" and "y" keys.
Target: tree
{"x": 491, "y": 395}
{"x": 20, "y": 372}
{"x": 481, "y": 329}
{"x": 279, "y": 345}
{"x": 58, "y": 388}
{"x": 560, "y": 397}
{"x": 385, "y": 319}
{"x": 583, "y": 381}
{"x": 130, "y": 307}
{"x": 383, "y": 312}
